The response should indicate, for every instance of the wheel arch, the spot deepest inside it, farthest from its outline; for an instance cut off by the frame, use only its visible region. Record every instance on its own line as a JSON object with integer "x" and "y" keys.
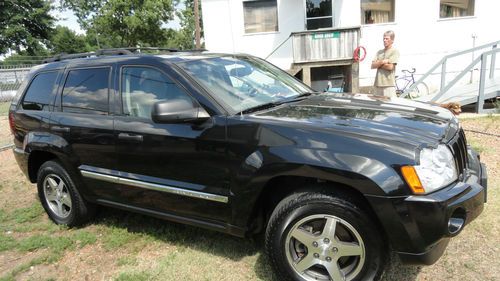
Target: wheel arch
{"x": 280, "y": 187}
{"x": 36, "y": 160}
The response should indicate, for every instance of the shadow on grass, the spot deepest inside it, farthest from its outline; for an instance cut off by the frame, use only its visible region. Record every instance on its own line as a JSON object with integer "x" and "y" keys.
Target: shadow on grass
{"x": 216, "y": 243}
{"x": 185, "y": 236}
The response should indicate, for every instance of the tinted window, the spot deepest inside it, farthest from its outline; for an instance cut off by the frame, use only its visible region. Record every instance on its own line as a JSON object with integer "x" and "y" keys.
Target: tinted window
{"x": 86, "y": 91}
{"x": 142, "y": 87}
{"x": 39, "y": 94}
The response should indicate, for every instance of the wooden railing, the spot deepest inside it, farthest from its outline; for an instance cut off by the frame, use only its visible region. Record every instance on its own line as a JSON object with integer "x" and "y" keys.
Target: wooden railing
{"x": 325, "y": 44}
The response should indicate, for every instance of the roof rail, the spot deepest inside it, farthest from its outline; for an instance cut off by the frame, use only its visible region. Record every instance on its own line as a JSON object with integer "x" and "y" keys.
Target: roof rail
{"x": 114, "y": 51}
{"x": 102, "y": 52}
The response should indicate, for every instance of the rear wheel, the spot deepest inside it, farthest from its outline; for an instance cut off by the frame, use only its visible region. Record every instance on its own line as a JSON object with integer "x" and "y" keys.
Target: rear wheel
{"x": 60, "y": 197}
{"x": 316, "y": 236}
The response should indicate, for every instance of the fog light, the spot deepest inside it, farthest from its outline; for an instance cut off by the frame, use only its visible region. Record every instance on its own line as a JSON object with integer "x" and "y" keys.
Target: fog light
{"x": 456, "y": 221}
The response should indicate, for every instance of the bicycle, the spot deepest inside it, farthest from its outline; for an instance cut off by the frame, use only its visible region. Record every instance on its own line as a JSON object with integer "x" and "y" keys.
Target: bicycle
{"x": 406, "y": 87}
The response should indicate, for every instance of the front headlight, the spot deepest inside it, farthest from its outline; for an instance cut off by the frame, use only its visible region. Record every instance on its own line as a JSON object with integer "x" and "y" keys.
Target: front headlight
{"x": 436, "y": 170}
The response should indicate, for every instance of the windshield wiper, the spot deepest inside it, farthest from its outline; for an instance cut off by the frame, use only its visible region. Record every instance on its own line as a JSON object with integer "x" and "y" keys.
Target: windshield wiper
{"x": 275, "y": 103}
{"x": 261, "y": 107}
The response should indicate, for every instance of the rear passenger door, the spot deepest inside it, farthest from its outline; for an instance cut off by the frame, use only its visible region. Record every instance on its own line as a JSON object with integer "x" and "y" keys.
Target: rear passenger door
{"x": 82, "y": 119}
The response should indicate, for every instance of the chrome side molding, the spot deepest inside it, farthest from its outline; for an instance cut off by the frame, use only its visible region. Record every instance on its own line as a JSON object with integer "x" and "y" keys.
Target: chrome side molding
{"x": 157, "y": 187}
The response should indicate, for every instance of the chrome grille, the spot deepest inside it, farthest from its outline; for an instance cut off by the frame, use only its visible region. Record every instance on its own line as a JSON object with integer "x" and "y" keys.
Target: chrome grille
{"x": 459, "y": 146}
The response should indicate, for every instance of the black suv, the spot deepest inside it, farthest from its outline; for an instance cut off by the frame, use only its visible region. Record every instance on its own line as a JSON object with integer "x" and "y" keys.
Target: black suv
{"x": 234, "y": 144}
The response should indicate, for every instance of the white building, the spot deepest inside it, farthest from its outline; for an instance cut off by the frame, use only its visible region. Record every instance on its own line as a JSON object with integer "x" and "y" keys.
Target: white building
{"x": 426, "y": 30}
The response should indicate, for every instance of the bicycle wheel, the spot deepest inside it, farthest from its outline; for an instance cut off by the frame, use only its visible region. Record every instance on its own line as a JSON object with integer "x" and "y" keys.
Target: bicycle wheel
{"x": 401, "y": 85}
{"x": 418, "y": 90}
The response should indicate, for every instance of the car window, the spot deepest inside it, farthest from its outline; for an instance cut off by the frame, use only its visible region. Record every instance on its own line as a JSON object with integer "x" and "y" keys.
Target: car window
{"x": 86, "y": 91}
{"x": 39, "y": 94}
{"x": 141, "y": 87}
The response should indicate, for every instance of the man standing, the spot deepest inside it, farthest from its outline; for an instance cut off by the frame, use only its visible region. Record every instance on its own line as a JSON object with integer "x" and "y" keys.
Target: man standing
{"x": 385, "y": 62}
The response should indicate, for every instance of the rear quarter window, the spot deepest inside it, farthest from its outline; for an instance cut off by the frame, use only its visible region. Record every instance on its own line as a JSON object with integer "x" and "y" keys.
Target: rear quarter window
{"x": 86, "y": 91}
{"x": 39, "y": 93}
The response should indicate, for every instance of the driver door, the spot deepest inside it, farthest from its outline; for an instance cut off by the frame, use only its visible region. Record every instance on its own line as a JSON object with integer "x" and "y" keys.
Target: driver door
{"x": 171, "y": 168}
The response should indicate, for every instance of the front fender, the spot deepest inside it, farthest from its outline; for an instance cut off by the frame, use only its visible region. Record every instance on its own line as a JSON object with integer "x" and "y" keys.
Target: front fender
{"x": 368, "y": 176}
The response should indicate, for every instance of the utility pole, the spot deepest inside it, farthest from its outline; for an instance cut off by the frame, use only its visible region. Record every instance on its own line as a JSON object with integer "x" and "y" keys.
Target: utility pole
{"x": 197, "y": 24}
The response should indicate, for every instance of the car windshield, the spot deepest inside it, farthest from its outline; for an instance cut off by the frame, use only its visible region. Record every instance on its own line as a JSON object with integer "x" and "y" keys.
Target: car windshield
{"x": 243, "y": 83}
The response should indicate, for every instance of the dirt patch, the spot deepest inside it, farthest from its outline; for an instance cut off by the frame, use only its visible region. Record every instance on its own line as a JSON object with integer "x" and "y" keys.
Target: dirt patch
{"x": 5, "y": 134}
{"x": 16, "y": 190}
{"x": 89, "y": 263}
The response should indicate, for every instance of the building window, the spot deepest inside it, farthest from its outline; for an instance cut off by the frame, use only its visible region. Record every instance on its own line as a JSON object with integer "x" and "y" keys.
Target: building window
{"x": 377, "y": 11}
{"x": 456, "y": 8}
{"x": 260, "y": 16}
{"x": 319, "y": 14}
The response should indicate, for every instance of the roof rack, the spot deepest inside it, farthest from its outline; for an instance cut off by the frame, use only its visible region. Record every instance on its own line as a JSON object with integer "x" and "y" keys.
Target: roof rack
{"x": 114, "y": 51}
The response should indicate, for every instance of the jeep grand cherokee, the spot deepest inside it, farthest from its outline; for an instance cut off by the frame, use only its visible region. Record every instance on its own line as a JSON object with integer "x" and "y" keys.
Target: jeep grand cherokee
{"x": 233, "y": 144}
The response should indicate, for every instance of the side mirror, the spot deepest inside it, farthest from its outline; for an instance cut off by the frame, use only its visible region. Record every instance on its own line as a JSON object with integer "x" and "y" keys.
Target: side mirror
{"x": 178, "y": 111}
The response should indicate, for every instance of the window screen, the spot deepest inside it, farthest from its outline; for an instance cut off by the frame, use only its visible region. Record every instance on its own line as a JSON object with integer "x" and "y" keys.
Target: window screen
{"x": 86, "y": 91}
{"x": 377, "y": 11}
{"x": 39, "y": 94}
{"x": 456, "y": 8}
{"x": 260, "y": 16}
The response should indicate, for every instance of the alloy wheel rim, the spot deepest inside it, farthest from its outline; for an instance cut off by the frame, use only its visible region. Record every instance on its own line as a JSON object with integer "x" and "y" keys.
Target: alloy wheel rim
{"x": 325, "y": 247}
{"x": 57, "y": 195}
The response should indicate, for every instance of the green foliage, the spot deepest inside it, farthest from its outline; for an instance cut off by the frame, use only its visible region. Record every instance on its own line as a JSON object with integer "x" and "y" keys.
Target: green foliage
{"x": 67, "y": 41}
{"x": 25, "y": 25}
{"x": 128, "y": 22}
{"x": 184, "y": 38}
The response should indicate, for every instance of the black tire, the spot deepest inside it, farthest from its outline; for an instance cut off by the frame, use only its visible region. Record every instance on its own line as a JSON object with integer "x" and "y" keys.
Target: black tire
{"x": 356, "y": 230}
{"x": 60, "y": 197}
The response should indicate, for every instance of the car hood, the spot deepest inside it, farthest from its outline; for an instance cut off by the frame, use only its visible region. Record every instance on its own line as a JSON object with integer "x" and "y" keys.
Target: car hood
{"x": 367, "y": 116}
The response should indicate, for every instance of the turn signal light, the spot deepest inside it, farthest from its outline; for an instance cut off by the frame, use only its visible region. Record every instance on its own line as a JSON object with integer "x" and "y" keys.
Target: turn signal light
{"x": 412, "y": 179}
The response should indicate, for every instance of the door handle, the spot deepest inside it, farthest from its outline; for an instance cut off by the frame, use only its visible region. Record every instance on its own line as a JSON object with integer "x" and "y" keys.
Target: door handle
{"x": 129, "y": 137}
{"x": 60, "y": 129}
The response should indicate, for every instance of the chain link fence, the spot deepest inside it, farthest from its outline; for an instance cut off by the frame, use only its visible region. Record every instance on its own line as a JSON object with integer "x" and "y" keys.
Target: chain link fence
{"x": 11, "y": 77}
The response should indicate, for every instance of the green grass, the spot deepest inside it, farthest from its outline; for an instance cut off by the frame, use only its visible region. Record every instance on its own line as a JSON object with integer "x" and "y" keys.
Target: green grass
{"x": 4, "y": 108}
{"x": 83, "y": 238}
{"x": 477, "y": 146}
{"x": 127, "y": 261}
{"x": 134, "y": 276}
{"x": 119, "y": 237}
{"x": 28, "y": 214}
{"x": 6, "y": 242}
{"x": 54, "y": 243}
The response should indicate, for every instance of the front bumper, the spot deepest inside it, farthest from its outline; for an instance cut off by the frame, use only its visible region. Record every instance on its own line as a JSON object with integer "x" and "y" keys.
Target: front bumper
{"x": 419, "y": 227}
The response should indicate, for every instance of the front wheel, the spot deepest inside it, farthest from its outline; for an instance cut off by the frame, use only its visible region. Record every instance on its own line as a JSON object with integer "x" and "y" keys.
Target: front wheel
{"x": 317, "y": 236}
{"x": 418, "y": 90}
